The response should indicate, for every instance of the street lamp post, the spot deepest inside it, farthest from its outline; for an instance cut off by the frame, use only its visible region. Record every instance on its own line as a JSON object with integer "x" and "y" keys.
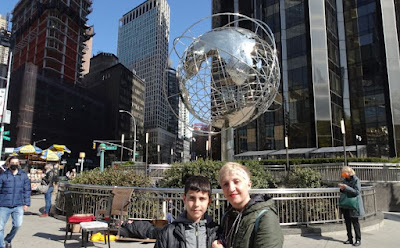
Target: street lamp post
{"x": 158, "y": 153}
{"x": 147, "y": 151}
{"x": 82, "y": 157}
{"x": 287, "y": 152}
{"x": 102, "y": 149}
{"x": 172, "y": 154}
{"x": 122, "y": 145}
{"x": 37, "y": 141}
{"x": 5, "y": 101}
{"x": 206, "y": 149}
{"x": 358, "y": 139}
{"x": 343, "y": 128}
{"x": 134, "y": 132}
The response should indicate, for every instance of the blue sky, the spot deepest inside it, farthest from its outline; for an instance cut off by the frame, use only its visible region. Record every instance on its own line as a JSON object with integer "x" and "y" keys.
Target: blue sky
{"x": 106, "y": 14}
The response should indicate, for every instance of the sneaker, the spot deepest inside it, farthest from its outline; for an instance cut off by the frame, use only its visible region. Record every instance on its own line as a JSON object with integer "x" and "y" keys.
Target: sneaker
{"x": 44, "y": 215}
{"x": 357, "y": 243}
{"x": 348, "y": 242}
{"x": 6, "y": 244}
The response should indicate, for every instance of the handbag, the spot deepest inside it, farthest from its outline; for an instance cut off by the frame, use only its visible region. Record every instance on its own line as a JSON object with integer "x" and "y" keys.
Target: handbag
{"x": 43, "y": 187}
{"x": 347, "y": 202}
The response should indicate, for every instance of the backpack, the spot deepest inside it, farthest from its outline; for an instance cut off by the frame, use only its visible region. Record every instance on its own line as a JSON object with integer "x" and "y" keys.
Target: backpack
{"x": 256, "y": 226}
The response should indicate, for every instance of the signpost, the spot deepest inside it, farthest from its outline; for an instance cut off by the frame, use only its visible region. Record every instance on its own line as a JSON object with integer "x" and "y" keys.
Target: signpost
{"x": 82, "y": 159}
{"x": 6, "y": 137}
{"x": 103, "y": 147}
{"x": 109, "y": 148}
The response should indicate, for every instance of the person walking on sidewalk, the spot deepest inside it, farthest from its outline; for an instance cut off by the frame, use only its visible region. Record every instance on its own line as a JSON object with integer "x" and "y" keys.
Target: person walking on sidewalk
{"x": 15, "y": 198}
{"x": 50, "y": 179}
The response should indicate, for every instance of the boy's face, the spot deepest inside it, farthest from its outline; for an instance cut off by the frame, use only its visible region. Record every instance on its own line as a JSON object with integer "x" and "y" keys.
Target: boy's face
{"x": 196, "y": 203}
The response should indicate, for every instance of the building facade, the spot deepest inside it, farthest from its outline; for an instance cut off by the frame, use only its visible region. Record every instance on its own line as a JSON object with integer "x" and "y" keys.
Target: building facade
{"x": 120, "y": 89}
{"x": 47, "y": 108}
{"x": 51, "y": 35}
{"x": 87, "y": 51}
{"x": 143, "y": 38}
{"x": 46, "y": 96}
{"x": 4, "y": 49}
{"x": 334, "y": 58}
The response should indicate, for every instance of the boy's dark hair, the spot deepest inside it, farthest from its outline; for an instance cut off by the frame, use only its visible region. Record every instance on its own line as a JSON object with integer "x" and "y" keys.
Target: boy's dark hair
{"x": 198, "y": 183}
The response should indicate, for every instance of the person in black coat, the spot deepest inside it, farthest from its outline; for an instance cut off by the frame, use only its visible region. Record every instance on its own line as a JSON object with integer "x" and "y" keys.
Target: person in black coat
{"x": 352, "y": 187}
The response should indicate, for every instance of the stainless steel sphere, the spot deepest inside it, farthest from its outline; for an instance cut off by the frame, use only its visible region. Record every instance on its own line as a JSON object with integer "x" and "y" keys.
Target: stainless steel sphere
{"x": 230, "y": 75}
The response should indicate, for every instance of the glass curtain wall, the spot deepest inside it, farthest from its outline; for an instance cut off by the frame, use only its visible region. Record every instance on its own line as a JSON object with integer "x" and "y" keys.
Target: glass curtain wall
{"x": 367, "y": 74}
{"x": 334, "y": 71}
{"x": 300, "y": 96}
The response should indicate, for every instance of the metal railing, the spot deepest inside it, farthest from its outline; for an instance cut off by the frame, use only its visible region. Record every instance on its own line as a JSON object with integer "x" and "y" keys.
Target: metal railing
{"x": 295, "y": 206}
{"x": 366, "y": 172}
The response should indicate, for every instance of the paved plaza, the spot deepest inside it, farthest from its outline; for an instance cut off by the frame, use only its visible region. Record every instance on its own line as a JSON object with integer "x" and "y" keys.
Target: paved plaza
{"x": 49, "y": 233}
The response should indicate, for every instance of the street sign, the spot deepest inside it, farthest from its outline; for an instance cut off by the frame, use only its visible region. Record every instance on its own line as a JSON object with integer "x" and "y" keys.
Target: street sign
{"x": 8, "y": 149}
{"x": 6, "y": 133}
{"x": 6, "y": 138}
{"x": 111, "y": 148}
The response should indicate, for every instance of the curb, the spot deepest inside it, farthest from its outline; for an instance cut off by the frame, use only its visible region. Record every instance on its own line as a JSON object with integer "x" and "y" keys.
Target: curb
{"x": 369, "y": 223}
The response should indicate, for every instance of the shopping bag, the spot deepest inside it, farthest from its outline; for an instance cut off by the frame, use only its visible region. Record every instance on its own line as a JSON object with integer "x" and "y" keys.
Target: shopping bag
{"x": 348, "y": 202}
{"x": 43, "y": 188}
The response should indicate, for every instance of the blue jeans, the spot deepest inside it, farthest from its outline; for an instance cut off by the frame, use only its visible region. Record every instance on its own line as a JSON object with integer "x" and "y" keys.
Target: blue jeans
{"x": 17, "y": 214}
{"x": 47, "y": 198}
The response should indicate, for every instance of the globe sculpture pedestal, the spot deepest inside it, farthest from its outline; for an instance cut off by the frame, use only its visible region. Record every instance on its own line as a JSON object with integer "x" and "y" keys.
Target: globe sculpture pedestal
{"x": 227, "y": 149}
{"x": 228, "y": 76}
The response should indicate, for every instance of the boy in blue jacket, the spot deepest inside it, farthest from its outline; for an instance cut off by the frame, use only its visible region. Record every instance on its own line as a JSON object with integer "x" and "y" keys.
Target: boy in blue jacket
{"x": 15, "y": 197}
{"x": 193, "y": 228}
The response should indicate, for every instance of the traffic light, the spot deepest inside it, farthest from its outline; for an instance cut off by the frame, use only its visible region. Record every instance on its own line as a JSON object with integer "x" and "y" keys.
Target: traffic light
{"x": 94, "y": 145}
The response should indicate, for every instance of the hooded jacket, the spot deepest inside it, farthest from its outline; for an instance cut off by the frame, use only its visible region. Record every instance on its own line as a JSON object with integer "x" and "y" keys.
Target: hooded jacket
{"x": 15, "y": 190}
{"x": 237, "y": 228}
{"x": 354, "y": 190}
{"x": 184, "y": 233}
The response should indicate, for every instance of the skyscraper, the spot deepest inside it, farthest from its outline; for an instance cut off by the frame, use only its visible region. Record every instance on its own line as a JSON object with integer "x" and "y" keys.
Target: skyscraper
{"x": 51, "y": 35}
{"x": 339, "y": 59}
{"x": 143, "y": 37}
{"x": 45, "y": 96}
{"x": 4, "y": 50}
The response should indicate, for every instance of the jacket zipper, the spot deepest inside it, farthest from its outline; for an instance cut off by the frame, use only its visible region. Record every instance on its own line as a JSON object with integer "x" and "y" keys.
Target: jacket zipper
{"x": 14, "y": 191}
{"x": 197, "y": 235}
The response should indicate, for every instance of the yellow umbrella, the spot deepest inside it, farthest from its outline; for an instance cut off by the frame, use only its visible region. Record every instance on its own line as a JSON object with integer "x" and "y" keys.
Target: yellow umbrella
{"x": 28, "y": 149}
{"x": 49, "y": 155}
{"x": 59, "y": 148}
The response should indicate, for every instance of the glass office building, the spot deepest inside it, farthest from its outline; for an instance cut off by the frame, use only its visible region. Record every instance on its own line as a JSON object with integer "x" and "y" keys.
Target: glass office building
{"x": 339, "y": 60}
{"x": 143, "y": 37}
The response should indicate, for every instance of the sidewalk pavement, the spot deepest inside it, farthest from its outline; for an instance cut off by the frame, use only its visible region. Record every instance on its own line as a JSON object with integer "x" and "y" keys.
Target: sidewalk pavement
{"x": 49, "y": 233}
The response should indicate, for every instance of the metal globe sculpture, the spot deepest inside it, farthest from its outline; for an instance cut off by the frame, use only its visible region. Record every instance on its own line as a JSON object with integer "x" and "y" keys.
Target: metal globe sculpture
{"x": 230, "y": 75}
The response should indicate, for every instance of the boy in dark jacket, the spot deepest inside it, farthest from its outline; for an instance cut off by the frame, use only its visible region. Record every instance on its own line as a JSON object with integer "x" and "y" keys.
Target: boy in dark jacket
{"x": 193, "y": 228}
{"x": 15, "y": 197}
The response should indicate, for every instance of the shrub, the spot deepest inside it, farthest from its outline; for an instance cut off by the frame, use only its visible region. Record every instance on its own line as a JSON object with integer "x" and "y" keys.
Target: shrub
{"x": 179, "y": 172}
{"x": 300, "y": 177}
{"x": 260, "y": 177}
{"x": 112, "y": 177}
